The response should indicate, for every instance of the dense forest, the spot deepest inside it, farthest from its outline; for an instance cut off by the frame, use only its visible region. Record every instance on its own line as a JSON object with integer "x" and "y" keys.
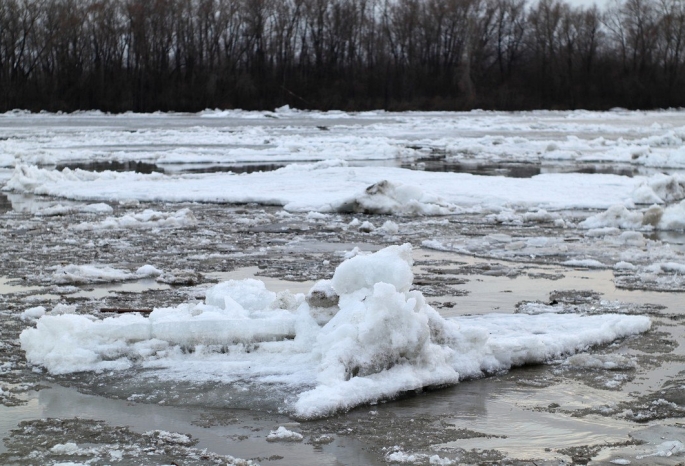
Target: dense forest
{"x": 187, "y": 55}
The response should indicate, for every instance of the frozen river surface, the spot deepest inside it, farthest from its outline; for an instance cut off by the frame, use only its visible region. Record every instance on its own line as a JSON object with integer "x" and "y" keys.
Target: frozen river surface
{"x": 190, "y": 288}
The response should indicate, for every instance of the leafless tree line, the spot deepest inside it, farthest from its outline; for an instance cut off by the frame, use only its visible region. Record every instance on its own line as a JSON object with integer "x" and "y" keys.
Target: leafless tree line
{"x": 186, "y": 55}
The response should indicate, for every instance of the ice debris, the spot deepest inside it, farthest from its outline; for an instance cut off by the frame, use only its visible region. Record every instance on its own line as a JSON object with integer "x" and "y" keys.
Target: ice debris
{"x": 96, "y": 273}
{"x": 284, "y": 435}
{"x": 146, "y": 219}
{"x": 380, "y": 339}
{"x": 671, "y": 217}
{"x": 386, "y": 197}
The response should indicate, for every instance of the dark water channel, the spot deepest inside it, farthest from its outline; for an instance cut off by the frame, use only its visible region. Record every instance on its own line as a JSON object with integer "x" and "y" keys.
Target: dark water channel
{"x": 523, "y": 170}
{"x": 432, "y": 164}
{"x": 5, "y": 204}
{"x": 114, "y": 166}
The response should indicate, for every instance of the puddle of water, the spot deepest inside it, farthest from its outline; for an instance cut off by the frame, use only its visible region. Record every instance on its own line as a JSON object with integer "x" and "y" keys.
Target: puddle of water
{"x": 63, "y": 402}
{"x": 8, "y": 285}
{"x": 488, "y": 294}
{"x": 504, "y": 408}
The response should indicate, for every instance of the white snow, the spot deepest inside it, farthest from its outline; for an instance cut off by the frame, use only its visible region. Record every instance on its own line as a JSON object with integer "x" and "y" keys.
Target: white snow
{"x": 99, "y": 208}
{"x": 585, "y": 263}
{"x": 33, "y": 313}
{"x": 146, "y": 219}
{"x": 284, "y": 435}
{"x": 97, "y": 273}
{"x": 617, "y": 216}
{"x": 68, "y": 448}
{"x": 383, "y": 340}
{"x": 673, "y": 217}
{"x": 336, "y": 187}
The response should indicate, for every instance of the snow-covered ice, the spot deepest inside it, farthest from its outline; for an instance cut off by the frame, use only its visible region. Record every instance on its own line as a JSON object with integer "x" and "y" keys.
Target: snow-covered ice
{"x": 96, "y": 273}
{"x": 379, "y": 340}
{"x": 284, "y": 435}
{"x": 336, "y": 187}
{"x": 641, "y": 139}
{"x": 146, "y": 219}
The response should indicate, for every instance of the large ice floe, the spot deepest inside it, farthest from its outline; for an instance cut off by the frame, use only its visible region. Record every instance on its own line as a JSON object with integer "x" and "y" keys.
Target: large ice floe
{"x": 334, "y": 186}
{"x": 358, "y": 338}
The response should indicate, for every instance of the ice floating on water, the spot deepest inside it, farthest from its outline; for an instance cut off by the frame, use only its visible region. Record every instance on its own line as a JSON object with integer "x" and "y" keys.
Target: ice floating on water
{"x": 671, "y": 217}
{"x": 378, "y": 339}
{"x": 333, "y": 186}
{"x": 385, "y": 197}
{"x": 284, "y": 435}
{"x": 82, "y": 274}
{"x": 666, "y": 449}
{"x": 144, "y": 220}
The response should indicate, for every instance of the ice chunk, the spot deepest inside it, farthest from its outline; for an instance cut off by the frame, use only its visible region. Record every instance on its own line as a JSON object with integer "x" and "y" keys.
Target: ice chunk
{"x": 673, "y": 217}
{"x": 69, "y": 448}
{"x": 616, "y": 216}
{"x": 666, "y": 449}
{"x": 148, "y": 271}
{"x": 32, "y": 313}
{"x": 383, "y": 340}
{"x": 585, "y": 263}
{"x": 249, "y": 294}
{"x": 79, "y": 274}
{"x": 322, "y": 294}
{"x": 643, "y": 194}
{"x": 146, "y": 219}
{"x": 99, "y": 208}
{"x": 391, "y": 265}
{"x": 386, "y": 197}
{"x": 660, "y": 188}
{"x": 284, "y": 435}
{"x": 390, "y": 228}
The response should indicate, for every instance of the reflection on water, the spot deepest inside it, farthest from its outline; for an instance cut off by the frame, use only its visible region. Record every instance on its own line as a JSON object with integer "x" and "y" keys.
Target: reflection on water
{"x": 527, "y": 170}
{"x": 114, "y": 166}
{"x": 242, "y": 434}
{"x": 431, "y": 164}
{"x": 488, "y": 293}
{"x": 214, "y": 168}
{"x": 506, "y": 411}
{"x": 5, "y": 204}
{"x": 8, "y": 286}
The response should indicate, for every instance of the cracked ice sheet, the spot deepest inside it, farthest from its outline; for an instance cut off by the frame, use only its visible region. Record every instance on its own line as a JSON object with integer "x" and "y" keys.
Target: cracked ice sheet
{"x": 328, "y": 186}
{"x": 651, "y": 139}
{"x": 382, "y": 339}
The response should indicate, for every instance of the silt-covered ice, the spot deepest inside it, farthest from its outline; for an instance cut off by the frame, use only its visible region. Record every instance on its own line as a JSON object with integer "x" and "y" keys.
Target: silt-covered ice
{"x": 375, "y": 339}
